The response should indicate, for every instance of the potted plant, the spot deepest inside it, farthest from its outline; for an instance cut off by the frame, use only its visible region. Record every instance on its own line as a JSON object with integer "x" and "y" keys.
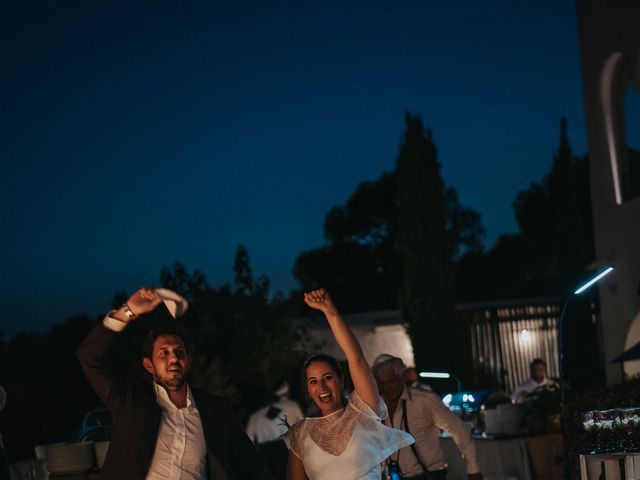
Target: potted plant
{"x": 543, "y": 407}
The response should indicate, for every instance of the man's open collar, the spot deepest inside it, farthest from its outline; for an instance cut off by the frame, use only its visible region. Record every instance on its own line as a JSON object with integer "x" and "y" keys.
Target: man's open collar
{"x": 162, "y": 396}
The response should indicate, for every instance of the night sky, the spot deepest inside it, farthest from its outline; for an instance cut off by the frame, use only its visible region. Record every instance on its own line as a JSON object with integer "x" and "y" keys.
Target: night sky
{"x": 137, "y": 134}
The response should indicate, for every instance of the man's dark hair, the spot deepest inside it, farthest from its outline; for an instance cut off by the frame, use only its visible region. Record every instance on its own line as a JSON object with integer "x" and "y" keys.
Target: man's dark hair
{"x": 173, "y": 328}
{"x": 536, "y": 361}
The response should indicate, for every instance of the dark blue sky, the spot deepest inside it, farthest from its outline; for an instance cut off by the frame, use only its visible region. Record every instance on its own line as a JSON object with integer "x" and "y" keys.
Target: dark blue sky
{"x": 136, "y": 134}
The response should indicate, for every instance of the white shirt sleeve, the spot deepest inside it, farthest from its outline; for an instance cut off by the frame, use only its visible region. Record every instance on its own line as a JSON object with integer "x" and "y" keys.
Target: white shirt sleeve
{"x": 113, "y": 323}
{"x": 448, "y": 421}
{"x": 251, "y": 429}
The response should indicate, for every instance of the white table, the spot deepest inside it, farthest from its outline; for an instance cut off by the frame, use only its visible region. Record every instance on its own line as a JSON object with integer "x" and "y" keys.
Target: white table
{"x": 623, "y": 466}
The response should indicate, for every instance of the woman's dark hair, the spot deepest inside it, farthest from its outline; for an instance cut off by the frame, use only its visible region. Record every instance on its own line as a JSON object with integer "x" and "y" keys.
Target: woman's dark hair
{"x": 328, "y": 359}
{"x": 172, "y": 328}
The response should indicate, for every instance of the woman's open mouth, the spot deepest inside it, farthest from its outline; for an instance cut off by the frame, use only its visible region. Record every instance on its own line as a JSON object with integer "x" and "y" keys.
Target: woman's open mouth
{"x": 325, "y": 397}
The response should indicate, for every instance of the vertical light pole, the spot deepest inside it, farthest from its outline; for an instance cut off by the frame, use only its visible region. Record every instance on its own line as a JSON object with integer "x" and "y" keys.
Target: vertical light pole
{"x": 581, "y": 289}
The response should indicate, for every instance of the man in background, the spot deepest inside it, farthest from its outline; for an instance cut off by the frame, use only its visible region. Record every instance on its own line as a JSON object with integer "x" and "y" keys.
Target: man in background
{"x": 423, "y": 415}
{"x": 538, "y": 379}
{"x": 267, "y": 424}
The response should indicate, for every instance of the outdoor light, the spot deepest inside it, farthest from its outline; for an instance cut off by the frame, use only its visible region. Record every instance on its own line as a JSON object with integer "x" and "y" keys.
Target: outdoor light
{"x": 525, "y": 336}
{"x": 594, "y": 280}
{"x": 578, "y": 291}
{"x": 442, "y": 375}
{"x": 435, "y": 375}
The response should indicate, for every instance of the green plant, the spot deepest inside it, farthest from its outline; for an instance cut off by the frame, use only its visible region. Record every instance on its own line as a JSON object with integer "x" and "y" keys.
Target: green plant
{"x": 544, "y": 401}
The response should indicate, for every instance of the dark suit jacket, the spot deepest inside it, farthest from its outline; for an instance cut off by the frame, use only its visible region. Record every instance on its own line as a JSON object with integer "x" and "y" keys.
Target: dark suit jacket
{"x": 137, "y": 416}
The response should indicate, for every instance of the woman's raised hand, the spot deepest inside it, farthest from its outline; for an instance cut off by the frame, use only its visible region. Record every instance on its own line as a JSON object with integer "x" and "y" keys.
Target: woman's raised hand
{"x": 359, "y": 369}
{"x": 320, "y": 300}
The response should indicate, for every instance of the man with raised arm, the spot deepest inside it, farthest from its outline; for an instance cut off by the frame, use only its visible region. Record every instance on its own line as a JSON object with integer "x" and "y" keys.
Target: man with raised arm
{"x": 163, "y": 428}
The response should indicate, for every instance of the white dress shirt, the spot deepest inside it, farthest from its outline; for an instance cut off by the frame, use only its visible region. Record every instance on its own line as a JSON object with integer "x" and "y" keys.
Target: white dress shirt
{"x": 180, "y": 452}
{"x": 519, "y": 395}
{"x": 427, "y": 415}
{"x": 262, "y": 429}
{"x": 180, "y": 449}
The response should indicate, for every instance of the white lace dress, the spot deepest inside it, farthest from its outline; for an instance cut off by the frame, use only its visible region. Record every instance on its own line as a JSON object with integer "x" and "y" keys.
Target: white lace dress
{"x": 349, "y": 444}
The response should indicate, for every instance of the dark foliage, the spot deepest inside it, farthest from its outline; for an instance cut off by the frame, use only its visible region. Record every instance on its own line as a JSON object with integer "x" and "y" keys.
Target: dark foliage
{"x": 46, "y": 390}
{"x": 244, "y": 347}
{"x": 361, "y": 264}
{"x": 426, "y": 249}
{"x": 554, "y": 247}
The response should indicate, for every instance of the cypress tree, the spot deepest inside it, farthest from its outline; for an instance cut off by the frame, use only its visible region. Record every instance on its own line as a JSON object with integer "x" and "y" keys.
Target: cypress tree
{"x": 425, "y": 247}
{"x": 572, "y": 242}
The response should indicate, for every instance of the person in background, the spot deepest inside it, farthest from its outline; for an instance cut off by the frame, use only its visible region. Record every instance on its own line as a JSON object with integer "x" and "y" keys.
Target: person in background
{"x": 423, "y": 415}
{"x": 272, "y": 421}
{"x": 267, "y": 424}
{"x": 348, "y": 441}
{"x": 290, "y": 408}
{"x": 538, "y": 379}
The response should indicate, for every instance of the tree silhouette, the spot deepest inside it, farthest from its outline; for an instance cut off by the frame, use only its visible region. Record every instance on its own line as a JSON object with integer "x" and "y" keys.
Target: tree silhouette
{"x": 47, "y": 393}
{"x": 244, "y": 345}
{"x": 360, "y": 264}
{"x": 554, "y": 246}
{"x": 426, "y": 249}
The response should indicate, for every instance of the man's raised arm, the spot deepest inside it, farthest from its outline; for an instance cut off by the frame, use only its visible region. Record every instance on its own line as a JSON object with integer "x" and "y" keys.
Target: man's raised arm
{"x": 93, "y": 352}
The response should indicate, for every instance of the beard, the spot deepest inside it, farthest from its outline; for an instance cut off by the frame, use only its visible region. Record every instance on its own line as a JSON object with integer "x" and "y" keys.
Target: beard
{"x": 173, "y": 382}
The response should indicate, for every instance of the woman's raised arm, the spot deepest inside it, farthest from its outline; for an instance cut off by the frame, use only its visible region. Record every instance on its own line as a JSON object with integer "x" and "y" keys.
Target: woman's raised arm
{"x": 361, "y": 375}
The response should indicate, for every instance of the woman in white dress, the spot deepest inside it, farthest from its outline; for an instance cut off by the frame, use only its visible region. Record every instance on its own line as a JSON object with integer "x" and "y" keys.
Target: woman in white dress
{"x": 348, "y": 441}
